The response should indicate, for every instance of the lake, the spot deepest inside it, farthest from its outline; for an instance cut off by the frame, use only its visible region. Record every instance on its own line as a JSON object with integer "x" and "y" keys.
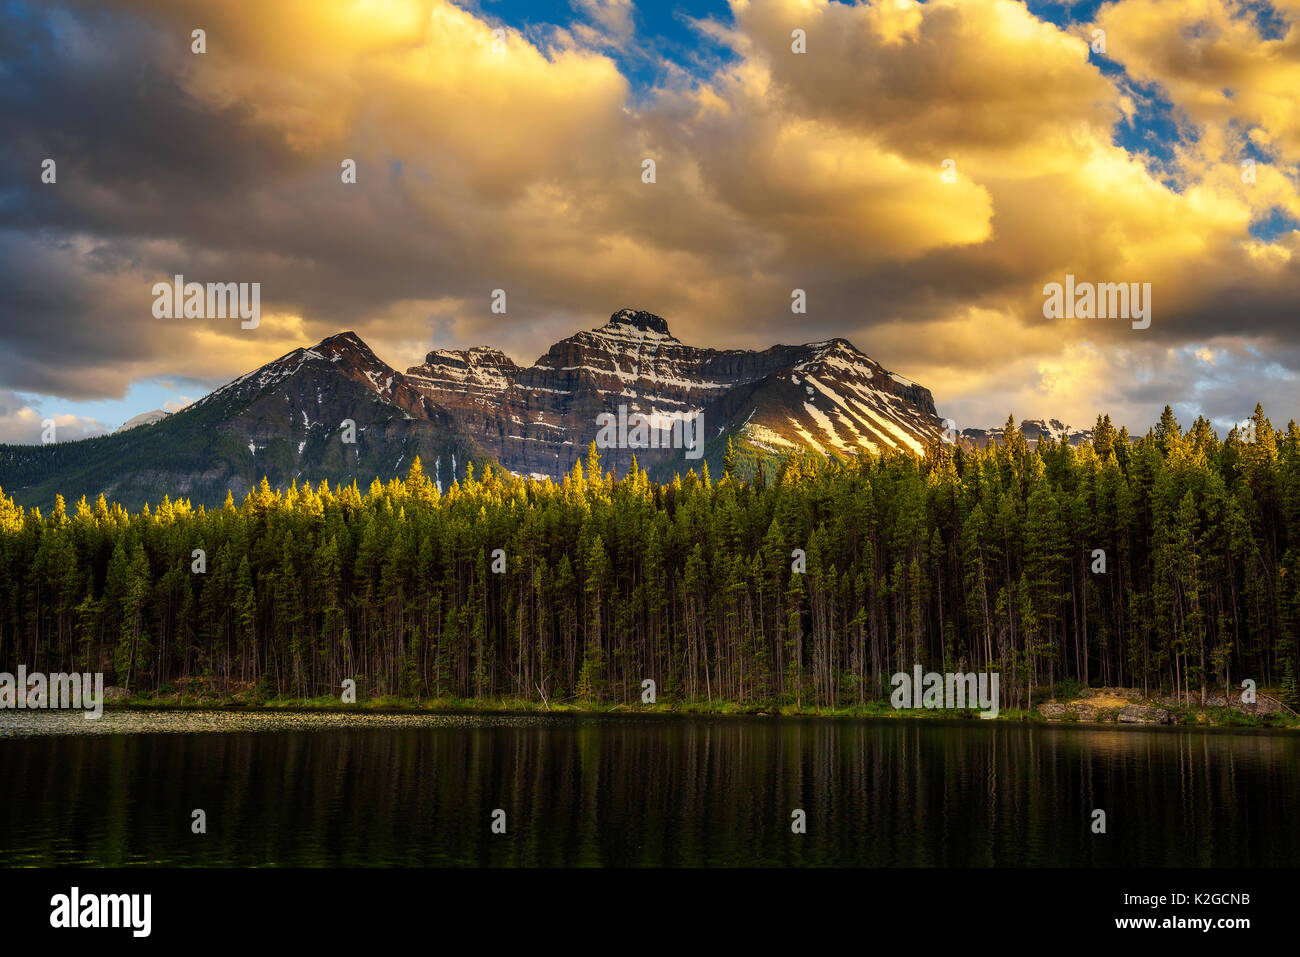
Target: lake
{"x": 313, "y": 789}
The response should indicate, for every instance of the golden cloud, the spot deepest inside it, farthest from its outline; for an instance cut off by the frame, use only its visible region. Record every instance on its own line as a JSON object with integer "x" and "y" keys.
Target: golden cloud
{"x": 515, "y": 161}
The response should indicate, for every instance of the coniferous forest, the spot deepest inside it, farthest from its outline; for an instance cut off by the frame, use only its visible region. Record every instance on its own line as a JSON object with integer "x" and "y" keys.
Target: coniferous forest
{"x": 802, "y": 583}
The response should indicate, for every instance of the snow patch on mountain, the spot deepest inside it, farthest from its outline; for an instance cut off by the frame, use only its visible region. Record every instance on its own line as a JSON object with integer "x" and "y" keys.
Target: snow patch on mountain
{"x": 144, "y": 418}
{"x": 540, "y": 419}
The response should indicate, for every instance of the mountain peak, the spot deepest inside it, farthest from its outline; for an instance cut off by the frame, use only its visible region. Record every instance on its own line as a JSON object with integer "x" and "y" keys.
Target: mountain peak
{"x": 484, "y": 367}
{"x": 838, "y": 345}
{"x": 342, "y": 343}
{"x": 144, "y": 418}
{"x": 639, "y": 320}
{"x": 341, "y": 337}
{"x": 346, "y": 349}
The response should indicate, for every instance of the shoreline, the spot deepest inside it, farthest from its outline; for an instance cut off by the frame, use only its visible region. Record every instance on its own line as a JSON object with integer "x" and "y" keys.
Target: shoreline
{"x": 1147, "y": 715}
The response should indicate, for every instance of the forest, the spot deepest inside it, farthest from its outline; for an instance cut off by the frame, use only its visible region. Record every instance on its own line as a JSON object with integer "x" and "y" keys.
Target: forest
{"x": 1167, "y": 562}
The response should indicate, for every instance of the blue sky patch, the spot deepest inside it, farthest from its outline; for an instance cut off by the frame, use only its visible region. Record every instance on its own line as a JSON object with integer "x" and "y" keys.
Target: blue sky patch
{"x": 1273, "y": 224}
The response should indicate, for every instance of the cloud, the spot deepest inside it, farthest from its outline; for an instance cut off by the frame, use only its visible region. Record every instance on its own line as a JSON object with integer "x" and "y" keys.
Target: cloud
{"x": 612, "y": 22}
{"x": 23, "y": 422}
{"x": 1214, "y": 61}
{"x": 518, "y": 166}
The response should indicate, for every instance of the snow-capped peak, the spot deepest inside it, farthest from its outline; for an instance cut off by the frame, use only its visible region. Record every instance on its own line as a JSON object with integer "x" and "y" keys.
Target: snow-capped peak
{"x": 637, "y": 323}
{"x": 144, "y": 418}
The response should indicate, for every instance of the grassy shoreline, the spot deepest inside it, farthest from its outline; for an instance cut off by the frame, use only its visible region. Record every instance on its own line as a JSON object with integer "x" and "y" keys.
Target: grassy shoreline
{"x": 1221, "y": 717}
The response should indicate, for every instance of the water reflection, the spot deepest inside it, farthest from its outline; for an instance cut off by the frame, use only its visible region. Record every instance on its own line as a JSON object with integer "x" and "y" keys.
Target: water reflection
{"x": 302, "y": 789}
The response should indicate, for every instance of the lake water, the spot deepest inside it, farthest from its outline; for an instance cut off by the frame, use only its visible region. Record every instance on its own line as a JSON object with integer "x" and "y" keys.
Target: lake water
{"x": 306, "y": 789}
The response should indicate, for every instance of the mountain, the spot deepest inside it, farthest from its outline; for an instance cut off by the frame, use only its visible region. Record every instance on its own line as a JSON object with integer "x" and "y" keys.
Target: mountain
{"x": 1034, "y": 430}
{"x": 144, "y": 418}
{"x": 539, "y": 420}
{"x": 284, "y": 421}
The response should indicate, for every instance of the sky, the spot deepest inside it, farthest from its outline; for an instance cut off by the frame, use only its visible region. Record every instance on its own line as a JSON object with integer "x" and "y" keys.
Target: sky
{"x": 920, "y": 170}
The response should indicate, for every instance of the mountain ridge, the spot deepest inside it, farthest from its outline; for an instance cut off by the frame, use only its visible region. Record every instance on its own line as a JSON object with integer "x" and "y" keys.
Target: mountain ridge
{"x": 335, "y": 411}
{"x": 538, "y": 419}
{"x": 332, "y": 412}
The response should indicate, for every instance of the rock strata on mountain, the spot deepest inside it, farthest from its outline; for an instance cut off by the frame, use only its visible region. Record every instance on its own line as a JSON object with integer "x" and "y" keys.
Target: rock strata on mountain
{"x": 824, "y": 396}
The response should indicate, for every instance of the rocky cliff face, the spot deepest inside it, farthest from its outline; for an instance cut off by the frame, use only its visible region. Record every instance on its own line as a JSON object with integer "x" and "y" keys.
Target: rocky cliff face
{"x": 825, "y": 396}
